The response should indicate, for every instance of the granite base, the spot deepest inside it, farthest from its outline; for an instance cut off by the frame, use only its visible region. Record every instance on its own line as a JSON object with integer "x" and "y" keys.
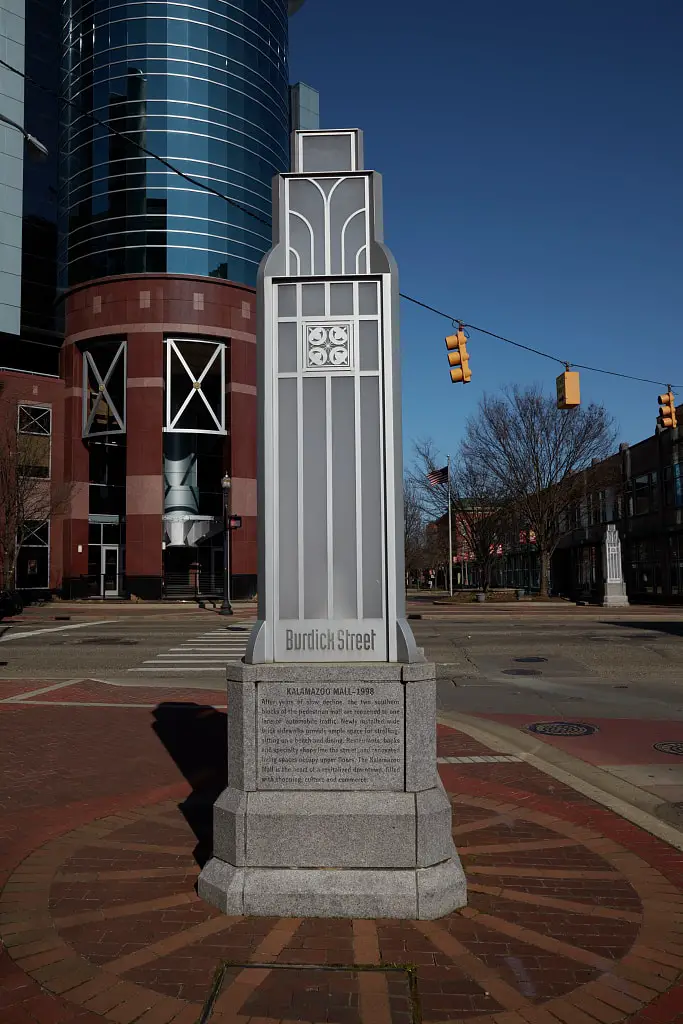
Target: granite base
{"x": 316, "y": 845}
{"x": 615, "y": 596}
{"x": 416, "y": 894}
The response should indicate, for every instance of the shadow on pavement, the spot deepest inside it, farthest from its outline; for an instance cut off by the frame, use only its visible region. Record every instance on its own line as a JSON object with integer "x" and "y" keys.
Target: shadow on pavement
{"x": 653, "y": 626}
{"x": 196, "y": 737}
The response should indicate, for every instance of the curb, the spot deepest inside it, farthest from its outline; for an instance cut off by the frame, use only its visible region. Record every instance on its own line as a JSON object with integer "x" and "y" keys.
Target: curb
{"x": 628, "y": 801}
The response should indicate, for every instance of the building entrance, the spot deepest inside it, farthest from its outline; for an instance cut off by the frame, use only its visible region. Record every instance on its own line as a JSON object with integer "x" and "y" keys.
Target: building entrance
{"x": 109, "y": 572}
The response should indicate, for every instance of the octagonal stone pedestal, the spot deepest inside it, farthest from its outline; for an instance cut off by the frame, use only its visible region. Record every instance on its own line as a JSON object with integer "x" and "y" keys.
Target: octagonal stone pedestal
{"x": 334, "y": 807}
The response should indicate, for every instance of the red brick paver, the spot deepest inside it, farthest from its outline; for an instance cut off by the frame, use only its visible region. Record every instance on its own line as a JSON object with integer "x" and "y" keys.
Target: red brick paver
{"x": 574, "y": 915}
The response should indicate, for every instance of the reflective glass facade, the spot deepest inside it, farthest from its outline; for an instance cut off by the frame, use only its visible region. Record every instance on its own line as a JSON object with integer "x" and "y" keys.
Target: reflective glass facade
{"x": 204, "y": 85}
{"x": 41, "y": 313}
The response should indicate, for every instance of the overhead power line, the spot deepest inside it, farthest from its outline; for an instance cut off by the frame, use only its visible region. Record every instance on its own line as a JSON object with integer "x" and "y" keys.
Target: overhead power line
{"x": 155, "y": 156}
{"x": 267, "y": 223}
{"x": 536, "y": 351}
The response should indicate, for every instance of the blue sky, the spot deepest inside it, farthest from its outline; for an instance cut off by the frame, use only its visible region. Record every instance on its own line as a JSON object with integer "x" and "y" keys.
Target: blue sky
{"x": 532, "y": 160}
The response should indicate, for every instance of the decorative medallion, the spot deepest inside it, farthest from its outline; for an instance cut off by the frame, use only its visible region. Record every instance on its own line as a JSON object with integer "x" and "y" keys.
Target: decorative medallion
{"x": 327, "y": 346}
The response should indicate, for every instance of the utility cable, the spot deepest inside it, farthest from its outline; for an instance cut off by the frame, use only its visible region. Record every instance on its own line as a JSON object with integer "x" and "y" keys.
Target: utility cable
{"x": 267, "y": 223}
{"x": 148, "y": 152}
{"x": 527, "y": 348}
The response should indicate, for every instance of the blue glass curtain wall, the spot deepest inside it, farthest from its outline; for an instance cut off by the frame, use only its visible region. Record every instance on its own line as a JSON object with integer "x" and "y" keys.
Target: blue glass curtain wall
{"x": 204, "y": 85}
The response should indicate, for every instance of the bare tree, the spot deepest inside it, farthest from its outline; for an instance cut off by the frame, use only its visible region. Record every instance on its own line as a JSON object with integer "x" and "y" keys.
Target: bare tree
{"x": 28, "y": 498}
{"x": 479, "y": 506}
{"x": 536, "y": 452}
{"x": 414, "y": 529}
{"x": 481, "y": 511}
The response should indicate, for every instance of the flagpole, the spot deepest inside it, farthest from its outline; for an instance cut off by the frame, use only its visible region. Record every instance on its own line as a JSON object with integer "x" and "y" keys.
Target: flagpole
{"x": 450, "y": 532}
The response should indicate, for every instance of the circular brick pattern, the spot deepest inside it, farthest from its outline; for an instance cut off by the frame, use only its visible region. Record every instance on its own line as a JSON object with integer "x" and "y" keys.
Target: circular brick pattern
{"x": 559, "y": 918}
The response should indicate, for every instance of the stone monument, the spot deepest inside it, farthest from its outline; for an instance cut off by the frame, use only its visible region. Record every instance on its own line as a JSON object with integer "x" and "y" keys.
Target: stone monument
{"x": 612, "y": 571}
{"x": 334, "y": 806}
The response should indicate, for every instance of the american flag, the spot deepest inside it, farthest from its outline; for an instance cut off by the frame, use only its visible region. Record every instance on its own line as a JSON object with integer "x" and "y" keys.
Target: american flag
{"x": 438, "y": 476}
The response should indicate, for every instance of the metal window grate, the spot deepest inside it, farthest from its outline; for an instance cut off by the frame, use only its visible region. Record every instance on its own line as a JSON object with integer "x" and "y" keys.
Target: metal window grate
{"x": 409, "y": 970}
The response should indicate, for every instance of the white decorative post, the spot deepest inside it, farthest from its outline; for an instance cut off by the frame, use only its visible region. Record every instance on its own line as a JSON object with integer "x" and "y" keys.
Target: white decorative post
{"x": 334, "y": 806}
{"x": 613, "y": 575}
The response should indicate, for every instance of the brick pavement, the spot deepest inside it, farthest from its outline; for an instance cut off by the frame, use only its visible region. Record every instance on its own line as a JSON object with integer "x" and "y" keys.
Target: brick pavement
{"x": 575, "y": 916}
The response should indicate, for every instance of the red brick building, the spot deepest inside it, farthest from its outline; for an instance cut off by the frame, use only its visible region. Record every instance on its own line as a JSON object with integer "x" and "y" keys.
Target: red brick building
{"x": 155, "y": 401}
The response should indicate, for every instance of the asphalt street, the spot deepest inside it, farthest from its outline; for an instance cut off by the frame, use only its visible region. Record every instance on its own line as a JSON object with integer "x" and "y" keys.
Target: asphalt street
{"x": 507, "y": 659}
{"x": 127, "y": 647}
{"x": 600, "y": 686}
{"x": 630, "y": 666}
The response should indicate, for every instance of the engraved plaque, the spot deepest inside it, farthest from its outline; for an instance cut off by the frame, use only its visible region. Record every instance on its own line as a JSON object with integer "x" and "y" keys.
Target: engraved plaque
{"x": 330, "y": 736}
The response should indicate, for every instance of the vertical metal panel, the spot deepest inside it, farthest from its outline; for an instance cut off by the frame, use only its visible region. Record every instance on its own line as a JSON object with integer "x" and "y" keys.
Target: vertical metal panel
{"x": 286, "y": 300}
{"x": 343, "y": 451}
{"x": 368, "y": 345}
{"x": 367, "y": 298}
{"x": 288, "y": 499}
{"x": 341, "y": 299}
{"x": 312, "y": 299}
{"x": 287, "y": 348}
{"x": 335, "y": 411}
{"x": 314, "y": 508}
{"x": 373, "y": 513}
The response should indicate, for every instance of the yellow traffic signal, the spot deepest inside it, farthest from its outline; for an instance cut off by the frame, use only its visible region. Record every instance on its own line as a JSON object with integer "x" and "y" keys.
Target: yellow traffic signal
{"x": 568, "y": 390}
{"x": 458, "y": 357}
{"x": 667, "y": 410}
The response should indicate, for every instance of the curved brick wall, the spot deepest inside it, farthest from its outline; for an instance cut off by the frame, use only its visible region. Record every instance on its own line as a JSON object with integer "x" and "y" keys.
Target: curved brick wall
{"x": 143, "y": 309}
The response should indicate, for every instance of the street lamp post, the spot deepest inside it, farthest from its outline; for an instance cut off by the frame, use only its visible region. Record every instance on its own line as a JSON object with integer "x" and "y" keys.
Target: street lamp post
{"x": 226, "y": 607}
{"x": 36, "y": 147}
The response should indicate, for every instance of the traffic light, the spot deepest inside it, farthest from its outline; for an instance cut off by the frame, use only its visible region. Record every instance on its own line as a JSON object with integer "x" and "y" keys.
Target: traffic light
{"x": 667, "y": 410}
{"x": 458, "y": 358}
{"x": 568, "y": 390}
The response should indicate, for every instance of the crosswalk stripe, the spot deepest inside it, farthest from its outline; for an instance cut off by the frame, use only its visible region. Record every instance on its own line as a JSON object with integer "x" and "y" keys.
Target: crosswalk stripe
{"x": 208, "y": 652}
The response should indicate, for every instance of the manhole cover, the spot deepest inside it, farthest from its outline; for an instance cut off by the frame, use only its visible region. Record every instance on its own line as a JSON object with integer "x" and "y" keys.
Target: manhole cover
{"x": 530, "y": 660}
{"x": 670, "y": 747}
{"x": 521, "y": 672}
{"x": 563, "y": 729}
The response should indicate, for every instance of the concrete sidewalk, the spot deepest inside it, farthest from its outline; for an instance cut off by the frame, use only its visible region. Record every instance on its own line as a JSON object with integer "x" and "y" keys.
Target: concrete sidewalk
{"x": 575, "y": 914}
{"x": 630, "y": 763}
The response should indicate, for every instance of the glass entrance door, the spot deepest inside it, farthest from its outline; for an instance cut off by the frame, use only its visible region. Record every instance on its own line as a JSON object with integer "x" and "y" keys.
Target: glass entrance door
{"x": 110, "y": 571}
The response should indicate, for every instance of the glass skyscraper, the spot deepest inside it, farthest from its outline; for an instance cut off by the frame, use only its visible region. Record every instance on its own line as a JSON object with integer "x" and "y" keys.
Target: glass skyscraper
{"x": 128, "y": 315}
{"x": 204, "y": 86}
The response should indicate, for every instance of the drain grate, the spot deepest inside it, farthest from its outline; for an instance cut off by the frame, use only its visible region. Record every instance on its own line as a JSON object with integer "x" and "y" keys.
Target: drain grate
{"x": 670, "y": 747}
{"x": 563, "y": 729}
{"x": 522, "y": 672}
{"x": 530, "y": 660}
{"x": 278, "y": 979}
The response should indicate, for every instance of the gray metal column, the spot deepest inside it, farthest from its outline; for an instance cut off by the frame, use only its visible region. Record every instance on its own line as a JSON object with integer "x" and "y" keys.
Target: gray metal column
{"x": 334, "y": 806}
{"x": 330, "y": 464}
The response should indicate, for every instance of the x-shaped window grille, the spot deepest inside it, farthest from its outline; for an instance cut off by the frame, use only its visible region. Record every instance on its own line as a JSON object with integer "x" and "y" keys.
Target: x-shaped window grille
{"x": 34, "y": 419}
{"x": 36, "y": 535}
{"x": 102, "y": 400}
{"x": 214, "y": 351}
